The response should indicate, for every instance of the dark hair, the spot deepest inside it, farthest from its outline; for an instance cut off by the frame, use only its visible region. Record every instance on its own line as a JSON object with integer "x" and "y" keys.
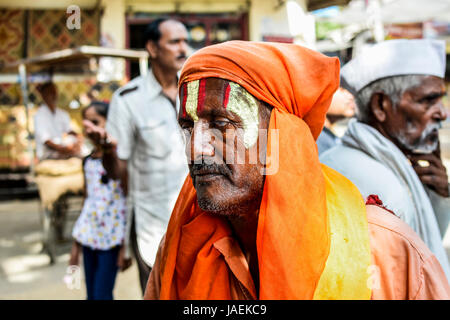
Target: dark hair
{"x": 44, "y": 86}
{"x": 152, "y": 32}
{"x": 101, "y": 107}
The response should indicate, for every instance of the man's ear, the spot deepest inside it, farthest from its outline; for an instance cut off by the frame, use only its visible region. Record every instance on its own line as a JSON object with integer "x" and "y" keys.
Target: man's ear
{"x": 380, "y": 104}
{"x": 152, "y": 49}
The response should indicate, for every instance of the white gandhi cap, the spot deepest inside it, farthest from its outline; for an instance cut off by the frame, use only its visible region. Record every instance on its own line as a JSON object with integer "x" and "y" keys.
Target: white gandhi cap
{"x": 394, "y": 58}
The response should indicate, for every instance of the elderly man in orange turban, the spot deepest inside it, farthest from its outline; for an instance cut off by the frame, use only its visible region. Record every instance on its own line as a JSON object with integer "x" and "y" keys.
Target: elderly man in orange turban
{"x": 259, "y": 217}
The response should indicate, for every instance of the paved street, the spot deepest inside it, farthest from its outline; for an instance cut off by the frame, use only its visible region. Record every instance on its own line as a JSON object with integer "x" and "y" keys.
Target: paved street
{"x": 25, "y": 272}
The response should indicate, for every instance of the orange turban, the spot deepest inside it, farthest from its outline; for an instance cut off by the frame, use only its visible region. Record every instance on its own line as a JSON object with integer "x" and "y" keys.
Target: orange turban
{"x": 288, "y": 77}
{"x": 295, "y": 249}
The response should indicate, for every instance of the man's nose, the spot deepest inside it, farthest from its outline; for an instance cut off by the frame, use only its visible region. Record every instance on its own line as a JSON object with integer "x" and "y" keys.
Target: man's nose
{"x": 201, "y": 141}
{"x": 441, "y": 113}
{"x": 184, "y": 47}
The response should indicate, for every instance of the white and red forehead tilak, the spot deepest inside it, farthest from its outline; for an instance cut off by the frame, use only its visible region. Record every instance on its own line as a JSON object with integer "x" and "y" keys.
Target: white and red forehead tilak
{"x": 235, "y": 99}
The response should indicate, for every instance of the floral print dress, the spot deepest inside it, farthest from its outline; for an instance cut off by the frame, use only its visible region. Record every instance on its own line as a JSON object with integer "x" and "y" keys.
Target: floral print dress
{"x": 101, "y": 224}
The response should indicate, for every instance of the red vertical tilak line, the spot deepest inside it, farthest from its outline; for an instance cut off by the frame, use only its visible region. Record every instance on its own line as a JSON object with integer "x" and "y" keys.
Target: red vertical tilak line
{"x": 226, "y": 95}
{"x": 201, "y": 95}
{"x": 183, "y": 104}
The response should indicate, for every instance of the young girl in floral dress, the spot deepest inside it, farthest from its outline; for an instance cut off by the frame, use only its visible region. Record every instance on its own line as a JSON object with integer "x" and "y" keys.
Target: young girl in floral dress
{"x": 100, "y": 229}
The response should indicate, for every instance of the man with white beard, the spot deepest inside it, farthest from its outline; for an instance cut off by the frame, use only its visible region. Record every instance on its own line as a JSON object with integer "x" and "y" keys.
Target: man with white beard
{"x": 392, "y": 149}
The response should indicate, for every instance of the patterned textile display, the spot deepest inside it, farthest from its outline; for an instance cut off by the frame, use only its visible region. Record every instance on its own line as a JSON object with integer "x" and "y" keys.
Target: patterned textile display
{"x": 37, "y": 32}
{"x": 48, "y": 31}
{"x": 11, "y": 35}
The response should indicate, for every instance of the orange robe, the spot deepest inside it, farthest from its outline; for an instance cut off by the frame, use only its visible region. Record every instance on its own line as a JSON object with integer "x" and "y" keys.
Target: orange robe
{"x": 404, "y": 267}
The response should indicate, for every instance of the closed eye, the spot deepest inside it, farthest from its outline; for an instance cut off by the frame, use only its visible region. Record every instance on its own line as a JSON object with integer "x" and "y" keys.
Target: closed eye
{"x": 221, "y": 123}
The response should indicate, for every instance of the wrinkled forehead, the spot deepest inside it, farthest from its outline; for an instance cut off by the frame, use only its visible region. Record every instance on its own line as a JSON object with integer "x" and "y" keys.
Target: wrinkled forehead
{"x": 196, "y": 95}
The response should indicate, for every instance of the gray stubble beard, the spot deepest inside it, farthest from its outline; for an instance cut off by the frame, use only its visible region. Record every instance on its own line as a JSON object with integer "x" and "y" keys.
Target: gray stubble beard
{"x": 422, "y": 146}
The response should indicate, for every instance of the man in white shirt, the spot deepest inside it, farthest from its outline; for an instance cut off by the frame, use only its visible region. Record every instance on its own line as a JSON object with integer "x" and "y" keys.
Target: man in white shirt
{"x": 54, "y": 136}
{"x": 144, "y": 145}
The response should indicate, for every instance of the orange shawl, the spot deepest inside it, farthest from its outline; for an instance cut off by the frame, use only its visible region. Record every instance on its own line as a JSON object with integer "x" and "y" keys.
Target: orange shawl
{"x": 294, "y": 241}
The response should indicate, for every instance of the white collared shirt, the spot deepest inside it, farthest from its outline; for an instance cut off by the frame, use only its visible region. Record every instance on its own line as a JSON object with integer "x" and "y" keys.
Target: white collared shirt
{"x": 144, "y": 122}
{"x": 51, "y": 126}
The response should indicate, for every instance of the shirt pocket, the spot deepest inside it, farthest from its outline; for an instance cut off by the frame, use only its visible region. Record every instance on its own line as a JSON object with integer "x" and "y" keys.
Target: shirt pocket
{"x": 153, "y": 140}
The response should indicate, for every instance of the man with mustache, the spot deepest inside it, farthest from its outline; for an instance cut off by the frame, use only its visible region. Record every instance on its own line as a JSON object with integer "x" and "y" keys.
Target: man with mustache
{"x": 259, "y": 217}
{"x": 392, "y": 149}
{"x": 143, "y": 144}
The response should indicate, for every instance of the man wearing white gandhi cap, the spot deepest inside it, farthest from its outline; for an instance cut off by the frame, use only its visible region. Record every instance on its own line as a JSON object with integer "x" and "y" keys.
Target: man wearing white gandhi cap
{"x": 392, "y": 148}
